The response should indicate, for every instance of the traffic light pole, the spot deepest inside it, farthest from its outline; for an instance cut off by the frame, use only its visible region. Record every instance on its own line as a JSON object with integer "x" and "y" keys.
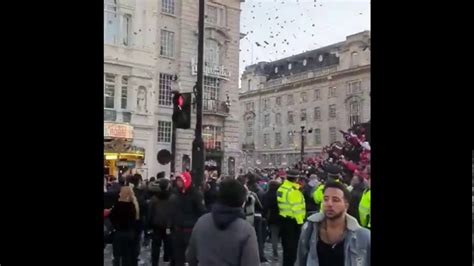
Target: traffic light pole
{"x": 198, "y": 146}
{"x": 173, "y": 149}
{"x": 302, "y": 147}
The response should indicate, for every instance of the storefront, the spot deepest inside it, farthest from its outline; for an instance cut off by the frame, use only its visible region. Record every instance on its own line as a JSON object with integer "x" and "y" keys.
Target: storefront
{"x": 120, "y": 156}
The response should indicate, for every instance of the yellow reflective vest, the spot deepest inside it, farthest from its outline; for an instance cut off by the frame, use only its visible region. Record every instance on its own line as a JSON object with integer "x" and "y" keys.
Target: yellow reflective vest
{"x": 291, "y": 201}
{"x": 364, "y": 209}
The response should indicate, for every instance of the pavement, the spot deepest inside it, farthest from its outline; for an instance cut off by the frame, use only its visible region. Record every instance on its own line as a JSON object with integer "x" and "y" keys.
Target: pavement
{"x": 145, "y": 256}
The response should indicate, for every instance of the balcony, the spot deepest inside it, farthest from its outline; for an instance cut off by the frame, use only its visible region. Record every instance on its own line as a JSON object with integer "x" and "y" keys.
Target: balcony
{"x": 214, "y": 107}
{"x": 248, "y": 146}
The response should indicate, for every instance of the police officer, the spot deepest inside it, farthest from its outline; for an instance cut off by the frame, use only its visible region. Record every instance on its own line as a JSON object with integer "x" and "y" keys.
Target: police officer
{"x": 364, "y": 205}
{"x": 292, "y": 209}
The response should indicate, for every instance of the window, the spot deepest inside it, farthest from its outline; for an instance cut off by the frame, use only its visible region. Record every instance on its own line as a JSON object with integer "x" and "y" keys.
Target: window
{"x": 303, "y": 114}
{"x": 332, "y": 111}
{"x": 353, "y": 87}
{"x": 215, "y": 15}
{"x": 109, "y": 91}
{"x": 278, "y": 119}
{"x": 167, "y": 43}
{"x": 290, "y": 100}
{"x": 276, "y": 70}
{"x": 249, "y": 106}
{"x": 332, "y": 135}
{"x": 317, "y": 136}
{"x": 277, "y": 139}
{"x": 289, "y": 66}
{"x": 165, "y": 89}
{"x": 354, "y": 59}
{"x": 111, "y": 22}
{"x": 164, "y": 131}
{"x": 305, "y": 62}
{"x": 266, "y": 139}
{"x": 303, "y": 97}
{"x": 117, "y": 25}
{"x": 266, "y": 120}
{"x": 126, "y": 28}
{"x": 250, "y": 84}
{"x": 265, "y": 104}
{"x": 317, "y": 114}
{"x": 278, "y": 101}
{"x": 212, "y": 137}
{"x": 249, "y": 127}
{"x": 290, "y": 117}
{"x": 354, "y": 113}
{"x": 290, "y": 138}
{"x": 332, "y": 92}
{"x": 317, "y": 94}
{"x": 167, "y": 6}
{"x": 123, "y": 102}
{"x": 211, "y": 53}
{"x": 211, "y": 93}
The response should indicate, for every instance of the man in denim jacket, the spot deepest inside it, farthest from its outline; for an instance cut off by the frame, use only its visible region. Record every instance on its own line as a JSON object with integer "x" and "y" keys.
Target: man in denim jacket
{"x": 333, "y": 237}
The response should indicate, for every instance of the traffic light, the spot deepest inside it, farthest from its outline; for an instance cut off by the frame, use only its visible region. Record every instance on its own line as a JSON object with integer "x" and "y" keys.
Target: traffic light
{"x": 182, "y": 110}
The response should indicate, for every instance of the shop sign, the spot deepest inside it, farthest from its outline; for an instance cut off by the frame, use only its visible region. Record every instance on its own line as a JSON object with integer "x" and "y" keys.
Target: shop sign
{"x": 129, "y": 164}
{"x": 114, "y": 130}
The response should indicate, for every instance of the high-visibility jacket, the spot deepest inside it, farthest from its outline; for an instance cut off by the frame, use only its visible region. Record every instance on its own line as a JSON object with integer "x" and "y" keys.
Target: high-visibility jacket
{"x": 291, "y": 201}
{"x": 364, "y": 209}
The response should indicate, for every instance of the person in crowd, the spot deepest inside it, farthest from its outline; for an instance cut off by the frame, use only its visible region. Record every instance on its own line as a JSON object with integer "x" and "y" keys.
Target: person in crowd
{"x": 308, "y": 190}
{"x": 271, "y": 213}
{"x": 123, "y": 217}
{"x": 187, "y": 207}
{"x": 140, "y": 195}
{"x": 160, "y": 175}
{"x": 333, "y": 237}
{"x": 256, "y": 211}
{"x": 159, "y": 220}
{"x": 210, "y": 194}
{"x": 292, "y": 210}
{"x": 358, "y": 187}
{"x": 364, "y": 205}
{"x": 223, "y": 237}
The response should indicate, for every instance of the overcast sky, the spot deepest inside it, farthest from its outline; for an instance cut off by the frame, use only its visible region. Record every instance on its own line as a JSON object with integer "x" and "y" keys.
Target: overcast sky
{"x": 305, "y": 24}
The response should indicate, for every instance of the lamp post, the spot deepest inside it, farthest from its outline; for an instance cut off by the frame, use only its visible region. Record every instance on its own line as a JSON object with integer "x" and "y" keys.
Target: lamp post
{"x": 198, "y": 146}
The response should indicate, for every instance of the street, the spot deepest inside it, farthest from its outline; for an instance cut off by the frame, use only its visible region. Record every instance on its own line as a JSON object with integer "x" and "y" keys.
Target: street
{"x": 145, "y": 256}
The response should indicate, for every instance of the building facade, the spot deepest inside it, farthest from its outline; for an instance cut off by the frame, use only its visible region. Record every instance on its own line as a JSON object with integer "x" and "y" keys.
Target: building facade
{"x": 325, "y": 90}
{"x": 150, "y": 49}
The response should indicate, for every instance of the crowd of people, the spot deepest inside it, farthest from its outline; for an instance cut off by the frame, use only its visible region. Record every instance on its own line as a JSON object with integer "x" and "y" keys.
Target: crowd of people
{"x": 319, "y": 209}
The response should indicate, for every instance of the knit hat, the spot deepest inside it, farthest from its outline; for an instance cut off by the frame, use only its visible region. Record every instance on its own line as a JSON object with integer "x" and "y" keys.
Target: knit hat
{"x": 187, "y": 180}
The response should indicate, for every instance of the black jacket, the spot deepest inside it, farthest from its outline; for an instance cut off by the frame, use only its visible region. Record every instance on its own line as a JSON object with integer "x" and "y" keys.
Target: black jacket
{"x": 270, "y": 206}
{"x": 210, "y": 196}
{"x": 140, "y": 195}
{"x": 311, "y": 206}
{"x": 186, "y": 208}
{"x": 356, "y": 195}
{"x": 159, "y": 212}
{"x": 123, "y": 216}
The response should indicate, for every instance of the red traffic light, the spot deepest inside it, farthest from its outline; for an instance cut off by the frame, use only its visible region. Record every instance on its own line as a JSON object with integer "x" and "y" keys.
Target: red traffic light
{"x": 180, "y": 102}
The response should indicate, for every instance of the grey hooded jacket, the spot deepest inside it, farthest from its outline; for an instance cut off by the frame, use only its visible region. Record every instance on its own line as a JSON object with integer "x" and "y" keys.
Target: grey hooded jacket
{"x": 356, "y": 244}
